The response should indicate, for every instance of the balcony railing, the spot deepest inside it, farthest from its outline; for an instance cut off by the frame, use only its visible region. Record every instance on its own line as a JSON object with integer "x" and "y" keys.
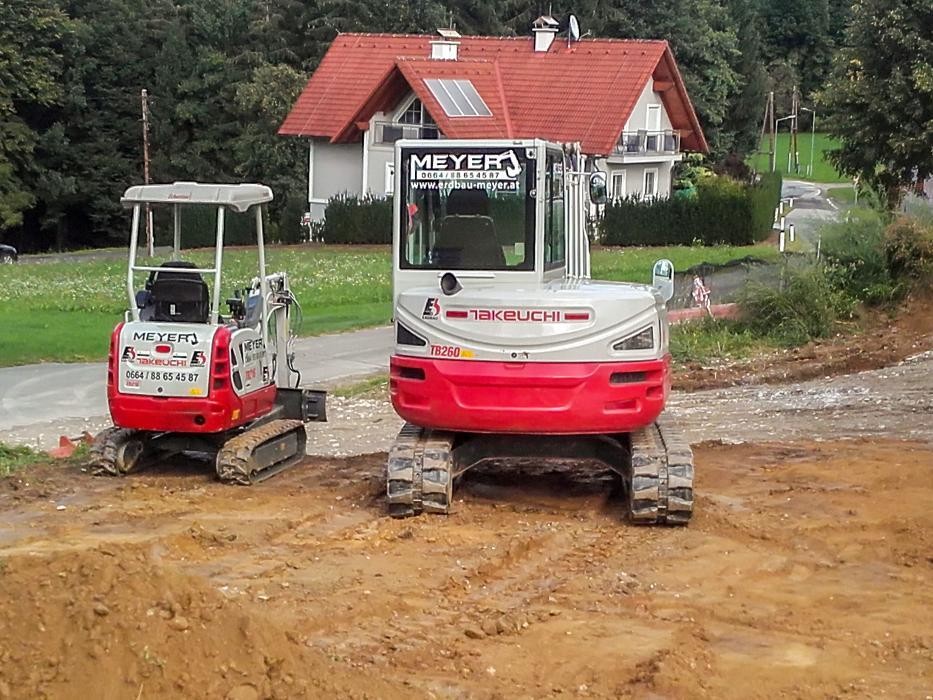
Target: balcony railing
{"x": 648, "y": 143}
{"x": 390, "y": 132}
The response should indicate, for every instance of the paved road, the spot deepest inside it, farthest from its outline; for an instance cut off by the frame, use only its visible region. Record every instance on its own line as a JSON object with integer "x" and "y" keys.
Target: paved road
{"x": 40, "y": 402}
{"x": 811, "y": 209}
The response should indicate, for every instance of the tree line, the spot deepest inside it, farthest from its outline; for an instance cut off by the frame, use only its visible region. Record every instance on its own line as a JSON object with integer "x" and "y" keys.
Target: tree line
{"x": 222, "y": 74}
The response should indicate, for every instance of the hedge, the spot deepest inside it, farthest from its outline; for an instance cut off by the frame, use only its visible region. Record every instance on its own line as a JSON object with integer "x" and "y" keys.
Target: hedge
{"x": 724, "y": 211}
{"x": 282, "y": 224}
{"x": 352, "y": 219}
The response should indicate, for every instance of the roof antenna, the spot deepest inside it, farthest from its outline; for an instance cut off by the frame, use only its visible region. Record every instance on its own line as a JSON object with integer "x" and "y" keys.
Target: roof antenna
{"x": 573, "y": 30}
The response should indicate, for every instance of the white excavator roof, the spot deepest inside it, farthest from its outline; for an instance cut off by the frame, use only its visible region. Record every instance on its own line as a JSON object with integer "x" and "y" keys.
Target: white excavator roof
{"x": 237, "y": 197}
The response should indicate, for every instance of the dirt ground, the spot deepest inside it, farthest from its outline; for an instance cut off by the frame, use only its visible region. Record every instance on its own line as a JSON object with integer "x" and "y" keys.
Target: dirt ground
{"x": 806, "y": 572}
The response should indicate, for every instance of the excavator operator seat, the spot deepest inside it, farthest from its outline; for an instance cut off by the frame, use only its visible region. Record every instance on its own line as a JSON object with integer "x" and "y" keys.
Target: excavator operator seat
{"x": 175, "y": 296}
{"x": 466, "y": 237}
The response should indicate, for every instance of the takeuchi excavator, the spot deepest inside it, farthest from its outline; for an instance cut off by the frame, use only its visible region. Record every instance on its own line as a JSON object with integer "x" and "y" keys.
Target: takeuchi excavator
{"x": 184, "y": 377}
{"x": 505, "y": 349}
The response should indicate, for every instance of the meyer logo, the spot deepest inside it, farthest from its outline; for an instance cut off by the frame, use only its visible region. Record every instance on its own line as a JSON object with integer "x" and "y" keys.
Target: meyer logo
{"x": 465, "y": 166}
{"x": 432, "y": 309}
{"x": 155, "y": 337}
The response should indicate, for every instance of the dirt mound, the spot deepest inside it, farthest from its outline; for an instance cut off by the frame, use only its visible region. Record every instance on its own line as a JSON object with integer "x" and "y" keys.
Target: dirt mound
{"x": 880, "y": 342}
{"x": 114, "y": 623}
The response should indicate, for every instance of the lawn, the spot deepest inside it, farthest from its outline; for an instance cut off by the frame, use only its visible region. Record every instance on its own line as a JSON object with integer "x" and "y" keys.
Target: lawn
{"x": 823, "y": 171}
{"x": 65, "y": 311}
{"x": 843, "y": 196}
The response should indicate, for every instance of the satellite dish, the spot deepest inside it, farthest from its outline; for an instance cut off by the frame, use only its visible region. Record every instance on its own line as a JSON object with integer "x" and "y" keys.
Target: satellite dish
{"x": 574, "y": 29}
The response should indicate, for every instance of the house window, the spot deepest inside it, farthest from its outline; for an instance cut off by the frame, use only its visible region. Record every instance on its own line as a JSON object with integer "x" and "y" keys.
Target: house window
{"x": 618, "y": 184}
{"x": 651, "y": 183}
{"x": 419, "y": 124}
{"x": 653, "y": 127}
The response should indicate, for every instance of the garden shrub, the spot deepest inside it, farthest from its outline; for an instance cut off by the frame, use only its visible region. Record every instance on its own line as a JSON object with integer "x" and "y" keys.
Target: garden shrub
{"x": 908, "y": 250}
{"x": 358, "y": 220}
{"x": 807, "y": 306}
{"x": 724, "y": 211}
{"x": 855, "y": 258}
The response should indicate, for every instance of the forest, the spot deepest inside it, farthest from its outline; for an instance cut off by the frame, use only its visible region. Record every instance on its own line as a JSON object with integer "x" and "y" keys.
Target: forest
{"x": 222, "y": 74}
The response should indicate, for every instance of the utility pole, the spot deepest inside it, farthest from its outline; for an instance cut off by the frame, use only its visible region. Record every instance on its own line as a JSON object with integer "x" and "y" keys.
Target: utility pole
{"x": 795, "y": 109}
{"x": 767, "y": 126}
{"x": 144, "y": 98}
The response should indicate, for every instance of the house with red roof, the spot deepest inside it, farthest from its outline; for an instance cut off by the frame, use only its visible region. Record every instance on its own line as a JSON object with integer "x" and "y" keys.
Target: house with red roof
{"x": 624, "y": 101}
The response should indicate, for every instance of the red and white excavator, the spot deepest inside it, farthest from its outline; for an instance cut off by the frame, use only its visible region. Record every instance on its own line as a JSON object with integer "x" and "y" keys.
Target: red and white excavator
{"x": 505, "y": 348}
{"x": 181, "y": 377}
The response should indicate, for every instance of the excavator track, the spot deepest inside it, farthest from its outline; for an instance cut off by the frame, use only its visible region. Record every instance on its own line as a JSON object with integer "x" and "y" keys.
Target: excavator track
{"x": 116, "y": 451}
{"x": 660, "y": 487}
{"x": 419, "y": 473}
{"x": 258, "y": 453}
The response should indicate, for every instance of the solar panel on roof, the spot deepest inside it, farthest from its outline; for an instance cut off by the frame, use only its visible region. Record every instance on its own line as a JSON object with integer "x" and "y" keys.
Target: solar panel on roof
{"x": 458, "y": 98}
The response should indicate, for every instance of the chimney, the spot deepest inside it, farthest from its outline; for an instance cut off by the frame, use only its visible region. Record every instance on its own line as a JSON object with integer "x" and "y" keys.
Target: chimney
{"x": 445, "y": 48}
{"x": 545, "y": 29}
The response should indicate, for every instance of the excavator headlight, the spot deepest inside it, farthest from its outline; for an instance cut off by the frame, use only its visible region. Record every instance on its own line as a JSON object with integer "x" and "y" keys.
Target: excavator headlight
{"x": 642, "y": 340}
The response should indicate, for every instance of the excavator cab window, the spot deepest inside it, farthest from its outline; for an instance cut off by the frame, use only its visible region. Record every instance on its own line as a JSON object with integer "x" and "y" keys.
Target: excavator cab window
{"x": 472, "y": 209}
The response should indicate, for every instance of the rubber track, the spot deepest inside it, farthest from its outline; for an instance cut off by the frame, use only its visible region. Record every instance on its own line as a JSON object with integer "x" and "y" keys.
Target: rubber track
{"x": 103, "y": 459}
{"x": 235, "y": 459}
{"x": 661, "y": 484}
{"x": 419, "y": 472}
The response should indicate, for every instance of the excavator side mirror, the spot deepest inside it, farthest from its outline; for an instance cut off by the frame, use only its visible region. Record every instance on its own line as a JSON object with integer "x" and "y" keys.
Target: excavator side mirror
{"x": 662, "y": 278}
{"x": 599, "y": 191}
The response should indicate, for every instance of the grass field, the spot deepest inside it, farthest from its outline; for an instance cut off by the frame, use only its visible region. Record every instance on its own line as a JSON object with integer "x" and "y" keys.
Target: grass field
{"x": 823, "y": 171}
{"x": 65, "y": 311}
{"x": 844, "y": 196}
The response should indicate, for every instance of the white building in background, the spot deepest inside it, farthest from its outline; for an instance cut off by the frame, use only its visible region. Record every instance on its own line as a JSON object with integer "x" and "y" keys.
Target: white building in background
{"x": 623, "y": 100}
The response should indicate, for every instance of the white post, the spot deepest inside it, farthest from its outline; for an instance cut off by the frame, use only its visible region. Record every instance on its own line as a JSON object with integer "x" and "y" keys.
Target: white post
{"x": 777, "y": 215}
{"x": 781, "y": 242}
{"x": 790, "y": 203}
{"x": 783, "y": 223}
{"x": 781, "y": 207}
{"x": 263, "y": 283}
{"x": 792, "y": 234}
{"x": 365, "y": 183}
{"x": 310, "y": 172}
{"x": 177, "y": 231}
{"x": 134, "y": 241}
{"x": 218, "y": 260}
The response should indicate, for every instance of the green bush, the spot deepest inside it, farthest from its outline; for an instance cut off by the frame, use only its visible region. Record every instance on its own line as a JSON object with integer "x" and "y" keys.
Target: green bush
{"x": 908, "y": 250}
{"x": 807, "y": 306}
{"x": 357, "y": 220}
{"x": 724, "y": 211}
{"x": 855, "y": 258}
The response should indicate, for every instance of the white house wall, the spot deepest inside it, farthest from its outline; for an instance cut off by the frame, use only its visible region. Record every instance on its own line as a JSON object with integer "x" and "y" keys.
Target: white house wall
{"x": 336, "y": 168}
{"x": 380, "y": 155}
{"x": 635, "y": 176}
{"x": 638, "y": 119}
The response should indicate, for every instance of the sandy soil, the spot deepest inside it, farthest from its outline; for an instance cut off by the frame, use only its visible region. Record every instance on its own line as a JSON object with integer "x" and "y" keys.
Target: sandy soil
{"x": 806, "y": 572}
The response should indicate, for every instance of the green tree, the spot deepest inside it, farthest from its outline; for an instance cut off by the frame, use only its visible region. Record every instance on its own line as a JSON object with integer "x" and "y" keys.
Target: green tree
{"x": 879, "y": 101}
{"x": 30, "y": 68}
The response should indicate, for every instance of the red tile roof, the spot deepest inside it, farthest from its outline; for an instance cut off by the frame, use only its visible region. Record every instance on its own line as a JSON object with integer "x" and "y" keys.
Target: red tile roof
{"x": 584, "y": 92}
